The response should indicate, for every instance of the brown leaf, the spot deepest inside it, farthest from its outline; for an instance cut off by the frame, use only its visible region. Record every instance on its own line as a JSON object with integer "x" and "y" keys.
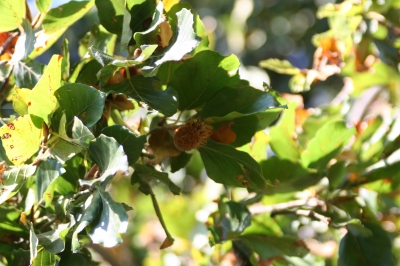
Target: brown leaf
{"x": 224, "y": 134}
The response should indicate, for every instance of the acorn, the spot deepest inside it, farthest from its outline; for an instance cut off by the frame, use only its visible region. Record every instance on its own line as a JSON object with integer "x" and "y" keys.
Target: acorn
{"x": 192, "y": 135}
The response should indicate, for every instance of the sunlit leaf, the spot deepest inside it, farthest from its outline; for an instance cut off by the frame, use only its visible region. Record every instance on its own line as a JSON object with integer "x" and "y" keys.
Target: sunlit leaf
{"x": 42, "y": 101}
{"x": 328, "y": 142}
{"x": 21, "y": 139}
{"x": 20, "y": 102}
{"x": 110, "y": 223}
{"x": 12, "y": 13}
{"x": 280, "y": 66}
{"x": 110, "y": 157}
{"x": 65, "y": 15}
{"x": 112, "y": 14}
{"x": 13, "y": 180}
{"x": 25, "y": 43}
{"x": 182, "y": 43}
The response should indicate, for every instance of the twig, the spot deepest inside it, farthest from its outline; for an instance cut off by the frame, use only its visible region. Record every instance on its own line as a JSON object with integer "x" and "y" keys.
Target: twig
{"x": 311, "y": 202}
{"x": 93, "y": 172}
{"x": 307, "y": 213}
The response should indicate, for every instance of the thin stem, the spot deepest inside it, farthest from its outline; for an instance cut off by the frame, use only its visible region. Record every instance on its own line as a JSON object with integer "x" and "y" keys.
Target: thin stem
{"x": 116, "y": 116}
{"x": 159, "y": 214}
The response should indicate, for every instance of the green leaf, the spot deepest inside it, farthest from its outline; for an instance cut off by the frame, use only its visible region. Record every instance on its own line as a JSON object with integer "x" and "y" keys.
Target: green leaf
{"x": 33, "y": 243}
{"x": 144, "y": 174}
{"x": 19, "y": 99}
{"x": 111, "y": 222}
{"x": 202, "y": 76}
{"x": 42, "y": 100}
{"x": 282, "y": 142}
{"x": 235, "y": 216}
{"x": 280, "y": 66}
{"x": 142, "y": 90}
{"x": 366, "y": 250}
{"x": 111, "y": 15}
{"x": 247, "y": 100}
{"x": 109, "y": 155}
{"x": 82, "y": 101}
{"x": 182, "y": 43}
{"x": 65, "y": 15}
{"x": 105, "y": 59}
{"x": 224, "y": 164}
{"x": 81, "y": 134}
{"x": 54, "y": 241}
{"x": 287, "y": 176}
{"x": 21, "y": 139}
{"x": 132, "y": 145}
{"x": 13, "y": 180}
{"x": 27, "y": 73}
{"x": 65, "y": 66}
{"x": 99, "y": 38}
{"x": 327, "y": 143}
{"x": 141, "y": 11}
{"x": 198, "y": 25}
{"x": 126, "y": 34}
{"x": 43, "y": 5}
{"x": 12, "y": 13}
{"x": 180, "y": 161}
{"x": 44, "y": 41}
{"x": 90, "y": 209}
{"x": 88, "y": 73}
{"x": 24, "y": 45}
{"x": 63, "y": 150}
{"x": 268, "y": 246}
{"x": 45, "y": 258}
{"x": 82, "y": 257}
{"x": 48, "y": 170}
{"x": 148, "y": 36}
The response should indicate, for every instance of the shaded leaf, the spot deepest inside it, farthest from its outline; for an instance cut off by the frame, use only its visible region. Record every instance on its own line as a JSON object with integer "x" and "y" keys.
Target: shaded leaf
{"x": 27, "y": 74}
{"x": 54, "y": 241}
{"x": 81, "y": 101}
{"x": 366, "y": 250}
{"x": 45, "y": 258}
{"x": 202, "y": 76}
{"x": 142, "y": 90}
{"x": 224, "y": 164}
{"x": 272, "y": 246}
{"x": 144, "y": 174}
{"x": 180, "y": 161}
{"x": 287, "y": 176}
{"x": 247, "y": 100}
{"x": 112, "y": 14}
{"x": 132, "y": 145}
{"x": 48, "y": 170}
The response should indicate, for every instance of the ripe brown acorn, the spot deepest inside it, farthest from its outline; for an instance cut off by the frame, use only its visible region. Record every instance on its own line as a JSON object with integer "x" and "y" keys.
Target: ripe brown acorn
{"x": 192, "y": 135}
